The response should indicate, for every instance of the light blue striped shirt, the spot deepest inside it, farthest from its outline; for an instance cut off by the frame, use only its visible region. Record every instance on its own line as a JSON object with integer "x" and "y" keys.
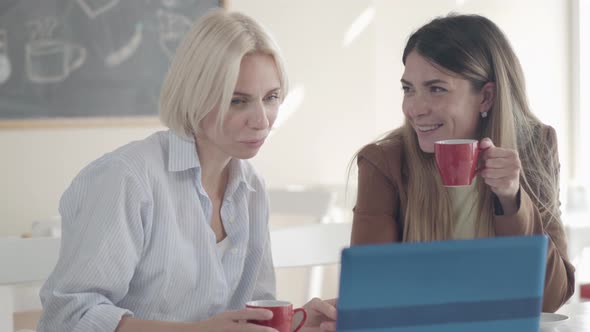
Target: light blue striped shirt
{"x": 136, "y": 240}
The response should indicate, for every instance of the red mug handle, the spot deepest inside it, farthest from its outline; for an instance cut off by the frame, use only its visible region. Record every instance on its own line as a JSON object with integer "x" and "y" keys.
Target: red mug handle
{"x": 301, "y": 310}
{"x": 479, "y": 169}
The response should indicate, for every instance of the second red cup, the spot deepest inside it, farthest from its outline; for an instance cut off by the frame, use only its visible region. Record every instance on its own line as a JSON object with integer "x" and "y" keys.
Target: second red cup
{"x": 283, "y": 314}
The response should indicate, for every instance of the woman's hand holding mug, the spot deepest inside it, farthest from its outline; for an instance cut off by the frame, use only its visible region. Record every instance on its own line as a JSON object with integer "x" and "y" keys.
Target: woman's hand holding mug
{"x": 501, "y": 171}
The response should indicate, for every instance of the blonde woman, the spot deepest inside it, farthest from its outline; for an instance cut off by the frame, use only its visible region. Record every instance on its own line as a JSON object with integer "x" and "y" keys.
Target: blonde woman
{"x": 170, "y": 233}
{"x": 463, "y": 80}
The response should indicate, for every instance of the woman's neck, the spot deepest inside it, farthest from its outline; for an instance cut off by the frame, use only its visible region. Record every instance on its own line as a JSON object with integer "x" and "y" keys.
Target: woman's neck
{"x": 214, "y": 168}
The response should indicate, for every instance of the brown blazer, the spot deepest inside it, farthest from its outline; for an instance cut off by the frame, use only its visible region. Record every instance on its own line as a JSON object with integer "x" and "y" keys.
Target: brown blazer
{"x": 382, "y": 201}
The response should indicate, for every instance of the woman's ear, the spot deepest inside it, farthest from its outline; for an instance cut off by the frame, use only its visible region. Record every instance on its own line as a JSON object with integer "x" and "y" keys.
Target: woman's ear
{"x": 488, "y": 96}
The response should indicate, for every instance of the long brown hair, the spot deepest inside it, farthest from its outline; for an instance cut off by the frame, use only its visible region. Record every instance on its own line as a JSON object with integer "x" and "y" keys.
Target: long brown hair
{"x": 474, "y": 48}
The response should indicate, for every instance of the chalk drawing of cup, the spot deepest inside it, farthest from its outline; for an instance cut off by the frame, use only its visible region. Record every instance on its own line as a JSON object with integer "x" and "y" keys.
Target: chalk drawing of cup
{"x": 93, "y": 8}
{"x": 177, "y": 3}
{"x": 169, "y": 44}
{"x": 49, "y": 61}
{"x": 173, "y": 27}
{"x": 5, "y": 67}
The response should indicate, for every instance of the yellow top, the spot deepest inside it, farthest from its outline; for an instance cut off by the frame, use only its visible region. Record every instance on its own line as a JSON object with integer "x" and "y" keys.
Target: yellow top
{"x": 464, "y": 200}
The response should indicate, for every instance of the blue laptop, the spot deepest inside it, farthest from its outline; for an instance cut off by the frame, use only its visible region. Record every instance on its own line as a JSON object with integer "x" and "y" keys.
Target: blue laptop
{"x": 482, "y": 285}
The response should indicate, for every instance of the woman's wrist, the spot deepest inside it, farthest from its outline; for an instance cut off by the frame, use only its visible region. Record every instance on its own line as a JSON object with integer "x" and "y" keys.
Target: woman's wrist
{"x": 508, "y": 205}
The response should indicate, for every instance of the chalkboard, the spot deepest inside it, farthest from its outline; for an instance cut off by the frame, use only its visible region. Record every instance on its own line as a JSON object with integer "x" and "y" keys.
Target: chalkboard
{"x": 83, "y": 59}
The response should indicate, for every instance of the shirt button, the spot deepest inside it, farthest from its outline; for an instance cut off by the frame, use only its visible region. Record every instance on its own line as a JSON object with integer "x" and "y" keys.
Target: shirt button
{"x": 234, "y": 251}
{"x": 231, "y": 220}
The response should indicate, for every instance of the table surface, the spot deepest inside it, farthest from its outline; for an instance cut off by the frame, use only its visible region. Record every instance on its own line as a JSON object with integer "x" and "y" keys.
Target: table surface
{"x": 579, "y": 318}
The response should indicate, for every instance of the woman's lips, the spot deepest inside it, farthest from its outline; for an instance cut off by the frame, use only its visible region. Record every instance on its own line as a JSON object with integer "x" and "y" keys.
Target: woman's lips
{"x": 427, "y": 128}
{"x": 253, "y": 143}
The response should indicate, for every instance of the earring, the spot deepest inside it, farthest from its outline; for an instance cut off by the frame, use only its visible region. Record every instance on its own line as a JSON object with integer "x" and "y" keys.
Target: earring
{"x": 484, "y": 115}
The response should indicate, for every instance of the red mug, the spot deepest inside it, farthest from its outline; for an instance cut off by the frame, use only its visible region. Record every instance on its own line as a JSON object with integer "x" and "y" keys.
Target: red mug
{"x": 456, "y": 160}
{"x": 282, "y": 317}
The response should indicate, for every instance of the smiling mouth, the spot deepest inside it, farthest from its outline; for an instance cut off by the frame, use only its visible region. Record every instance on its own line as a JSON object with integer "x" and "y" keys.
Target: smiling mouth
{"x": 425, "y": 129}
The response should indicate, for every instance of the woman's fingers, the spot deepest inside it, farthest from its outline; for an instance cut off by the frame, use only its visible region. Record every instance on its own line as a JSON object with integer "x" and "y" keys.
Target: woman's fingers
{"x": 324, "y": 307}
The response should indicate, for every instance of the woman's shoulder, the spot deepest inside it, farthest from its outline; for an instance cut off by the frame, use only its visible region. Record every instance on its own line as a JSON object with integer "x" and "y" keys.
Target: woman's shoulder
{"x": 133, "y": 158}
{"x": 548, "y": 133}
{"x": 385, "y": 152}
{"x": 145, "y": 152}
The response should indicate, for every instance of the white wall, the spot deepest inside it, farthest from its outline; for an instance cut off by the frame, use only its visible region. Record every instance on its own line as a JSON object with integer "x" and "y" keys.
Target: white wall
{"x": 582, "y": 135}
{"x": 351, "y": 95}
{"x": 38, "y": 164}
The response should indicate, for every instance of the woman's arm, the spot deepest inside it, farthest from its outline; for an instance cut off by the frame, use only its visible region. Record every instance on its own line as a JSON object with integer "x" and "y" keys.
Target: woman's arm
{"x": 102, "y": 242}
{"x": 559, "y": 277}
{"x": 377, "y": 201}
{"x": 527, "y": 220}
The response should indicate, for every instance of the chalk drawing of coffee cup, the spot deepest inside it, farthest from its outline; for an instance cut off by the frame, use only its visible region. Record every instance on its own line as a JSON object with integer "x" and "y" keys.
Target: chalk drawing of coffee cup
{"x": 177, "y": 3}
{"x": 169, "y": 44}
{"x": 49, "y": 61}
{"x": 173, "y": 27}
{"x": 93, "y": 8}
{"x": 5, "y": 67}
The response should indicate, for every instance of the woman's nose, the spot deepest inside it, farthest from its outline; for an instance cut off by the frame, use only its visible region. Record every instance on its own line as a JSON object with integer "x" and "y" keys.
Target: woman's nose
{"x": 259, "y": 118}
{"x": 416, "y": 107}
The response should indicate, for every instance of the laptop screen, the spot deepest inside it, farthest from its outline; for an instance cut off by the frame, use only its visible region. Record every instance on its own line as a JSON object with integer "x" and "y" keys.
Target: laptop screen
{"x": 492, "y": 284}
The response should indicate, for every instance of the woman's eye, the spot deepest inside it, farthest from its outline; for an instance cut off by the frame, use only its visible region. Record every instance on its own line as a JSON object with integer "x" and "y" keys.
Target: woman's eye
{"x": 237, "y": 102}
{"x": 406, "y": 89}
{"x": 272, "y": 98}
{"x": 437, "y": 89}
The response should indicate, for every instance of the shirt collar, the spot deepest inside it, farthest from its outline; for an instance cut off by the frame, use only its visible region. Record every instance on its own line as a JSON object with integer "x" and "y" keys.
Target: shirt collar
{"x": 237, "y": 175}
{"x": 183, "y": 156}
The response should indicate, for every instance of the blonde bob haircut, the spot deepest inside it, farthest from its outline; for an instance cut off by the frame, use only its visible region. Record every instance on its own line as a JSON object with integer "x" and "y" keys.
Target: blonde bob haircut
{"x": 205, "y": 68}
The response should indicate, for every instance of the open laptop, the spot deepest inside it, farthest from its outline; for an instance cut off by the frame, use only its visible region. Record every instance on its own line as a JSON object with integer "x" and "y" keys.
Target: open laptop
{"x": 482, "y": 285}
